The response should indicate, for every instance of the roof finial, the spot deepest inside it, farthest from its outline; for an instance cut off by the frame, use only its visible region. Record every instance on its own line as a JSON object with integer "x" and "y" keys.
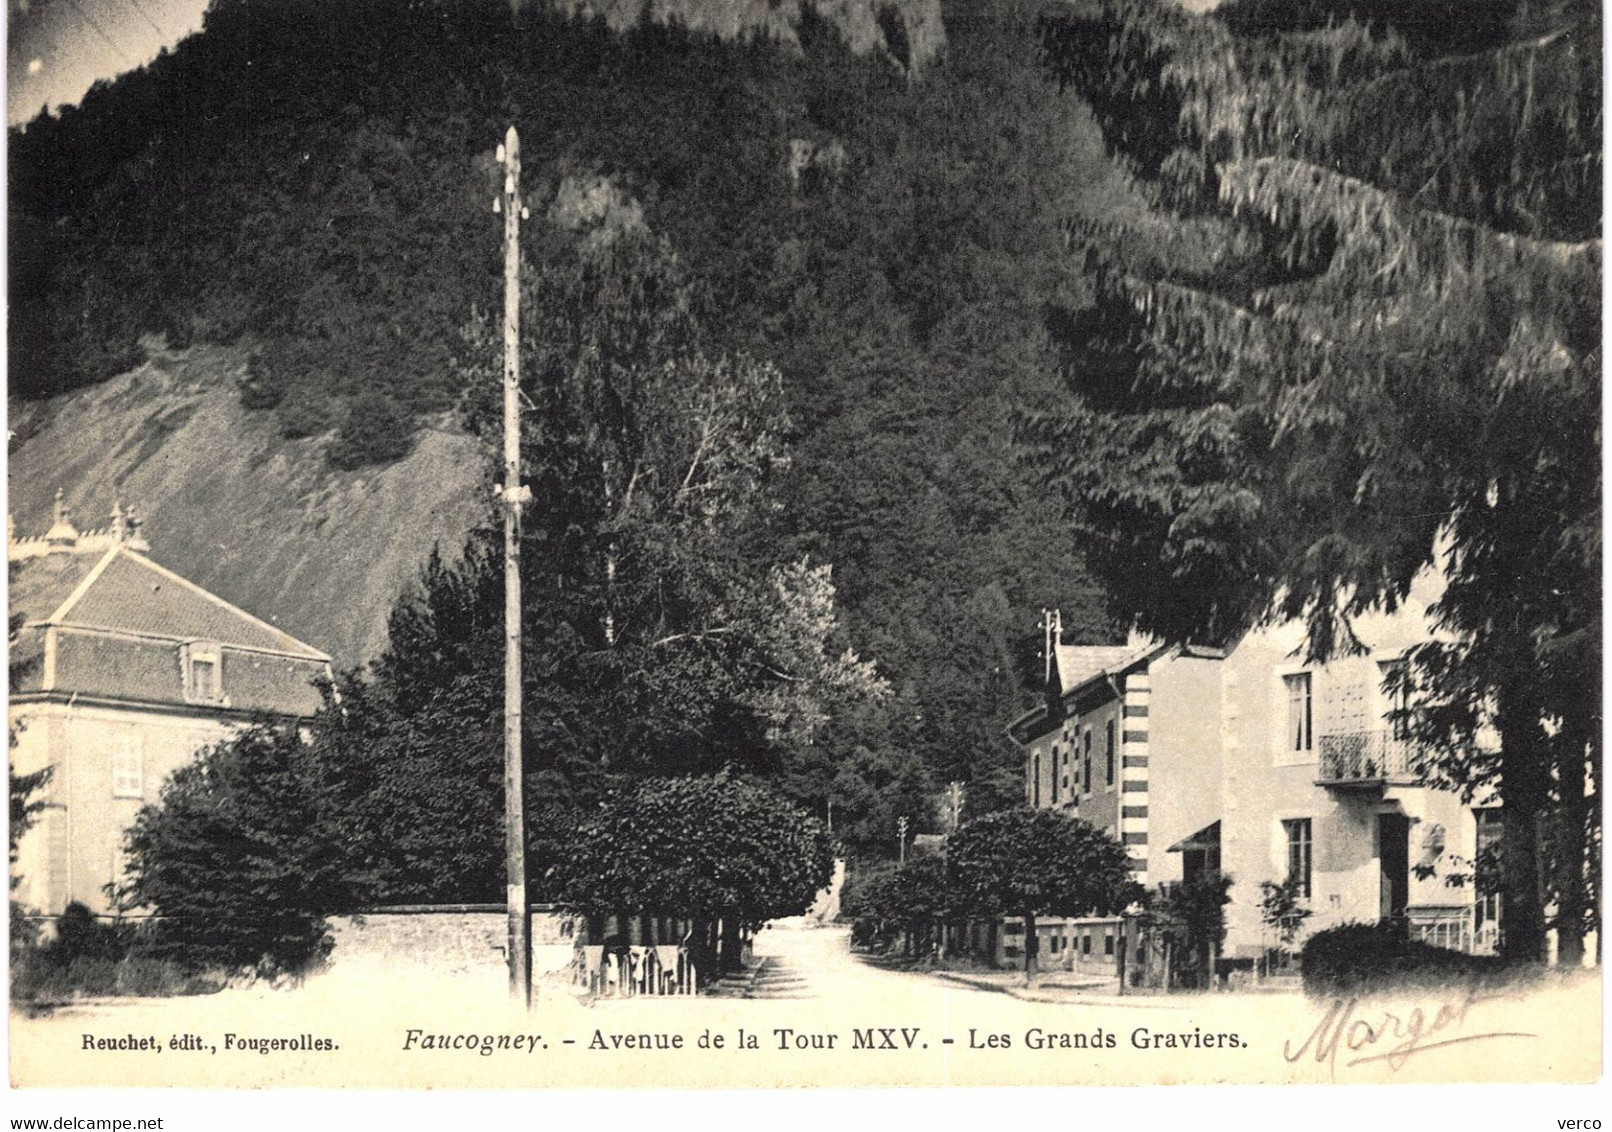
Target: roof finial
{"x": 1046, "y": 644}
{"x": 132, "y": 524}
{"x": 119, "y": 527}
{"x": 62, "y": 534}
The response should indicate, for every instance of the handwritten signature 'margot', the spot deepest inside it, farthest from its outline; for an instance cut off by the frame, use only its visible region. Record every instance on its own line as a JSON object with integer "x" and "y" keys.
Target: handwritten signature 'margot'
{"x": 1364, "y": 1032}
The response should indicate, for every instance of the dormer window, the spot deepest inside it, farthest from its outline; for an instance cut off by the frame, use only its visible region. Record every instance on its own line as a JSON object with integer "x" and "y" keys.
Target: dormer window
{"x": 203, "y": 674}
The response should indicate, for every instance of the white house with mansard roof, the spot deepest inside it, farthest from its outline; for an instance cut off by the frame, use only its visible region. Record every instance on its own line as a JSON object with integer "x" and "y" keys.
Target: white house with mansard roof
{"x": 122, "y": 670}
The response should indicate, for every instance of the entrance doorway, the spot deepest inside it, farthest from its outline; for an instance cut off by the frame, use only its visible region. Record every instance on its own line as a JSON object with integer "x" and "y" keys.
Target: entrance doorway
{"x": 1393, "y": 856}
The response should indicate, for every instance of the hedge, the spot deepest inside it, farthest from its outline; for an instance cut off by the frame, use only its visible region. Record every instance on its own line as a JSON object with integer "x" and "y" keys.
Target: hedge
{"x": 1356, "y": 957}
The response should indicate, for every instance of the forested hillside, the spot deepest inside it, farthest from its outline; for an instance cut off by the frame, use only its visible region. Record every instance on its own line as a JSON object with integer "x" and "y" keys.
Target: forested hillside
{"x": 311, "y": 185}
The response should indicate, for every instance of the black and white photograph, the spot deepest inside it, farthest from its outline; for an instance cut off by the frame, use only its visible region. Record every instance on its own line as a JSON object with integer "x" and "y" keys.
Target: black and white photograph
{"x": 824, "y": 544}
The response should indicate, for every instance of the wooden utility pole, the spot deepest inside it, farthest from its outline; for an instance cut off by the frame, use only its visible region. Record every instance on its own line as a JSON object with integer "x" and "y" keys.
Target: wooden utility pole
{"x": 513, "y": 495}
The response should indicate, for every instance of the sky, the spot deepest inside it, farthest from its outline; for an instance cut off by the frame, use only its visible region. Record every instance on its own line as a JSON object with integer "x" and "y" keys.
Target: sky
{"x": 56, "y": 48}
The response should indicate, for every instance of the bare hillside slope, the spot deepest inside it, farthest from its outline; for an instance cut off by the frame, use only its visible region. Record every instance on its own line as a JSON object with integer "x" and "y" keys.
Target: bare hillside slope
{"x": 259, "y": 520}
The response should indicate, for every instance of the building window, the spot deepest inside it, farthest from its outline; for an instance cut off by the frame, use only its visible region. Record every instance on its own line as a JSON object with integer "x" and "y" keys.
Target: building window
{"x": 1487, "y": 920}
{"x": 1397, "y": 694}
{"x": 1108, "y": 944}
{"x": 1488, "y": 833}
{"x": 203, "y": 682}
{"x": 1085, "y": 944}
{"x": 128, "y": 769}
{"x": 1053, "y": 784}
{"x": 1487, "y": 843}
{"x": 1086, "y": 762}
{"x": 1300, "y": 712}
{"x": 1035, "y": 782}
{"x": 1299, "y": 850}
{"x": 1109, "y": 739}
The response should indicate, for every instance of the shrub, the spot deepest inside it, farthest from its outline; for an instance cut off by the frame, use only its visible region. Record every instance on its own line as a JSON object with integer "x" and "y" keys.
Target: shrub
{"x": 858, "y": 902}
{"x": 376, "y": 431}
{"x": 37, "y": 979}
{"x": 301, "y": 415}
{"x": 90, "y": 957}
{"x": 856, "y": 894}
{"x": 1194, "y": 912}
{"x": 24, "y": 929}
{"x": 79, "y": 935}
{"x": 914, "y": 899}
{"x": 1282, "y": 907}
{"x": 236, "y": 858}
{"x": 258, "y": 389}
{"x": 1359, "y": 957}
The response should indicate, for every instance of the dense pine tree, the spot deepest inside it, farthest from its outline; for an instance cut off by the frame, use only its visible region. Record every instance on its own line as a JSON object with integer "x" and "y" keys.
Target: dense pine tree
{"x": 1357, "y": 336}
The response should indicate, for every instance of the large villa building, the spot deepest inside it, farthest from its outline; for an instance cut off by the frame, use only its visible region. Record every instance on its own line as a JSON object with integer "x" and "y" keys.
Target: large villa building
{"x": 121, "y": 672}
{"x": 1251, "y": 762}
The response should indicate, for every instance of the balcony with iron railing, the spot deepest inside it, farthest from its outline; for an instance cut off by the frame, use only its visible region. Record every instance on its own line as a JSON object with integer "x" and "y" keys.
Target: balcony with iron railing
{"x": 1367, "y": 758}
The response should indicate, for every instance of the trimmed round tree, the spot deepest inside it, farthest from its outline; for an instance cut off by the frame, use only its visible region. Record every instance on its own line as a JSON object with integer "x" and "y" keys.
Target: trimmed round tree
{"x": 1031, "y": 863}
{"x": 706, "y": 849}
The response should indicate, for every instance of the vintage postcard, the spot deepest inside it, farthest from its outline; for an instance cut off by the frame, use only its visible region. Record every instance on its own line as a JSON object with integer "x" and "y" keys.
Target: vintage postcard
{"x": 715, "y": 545}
